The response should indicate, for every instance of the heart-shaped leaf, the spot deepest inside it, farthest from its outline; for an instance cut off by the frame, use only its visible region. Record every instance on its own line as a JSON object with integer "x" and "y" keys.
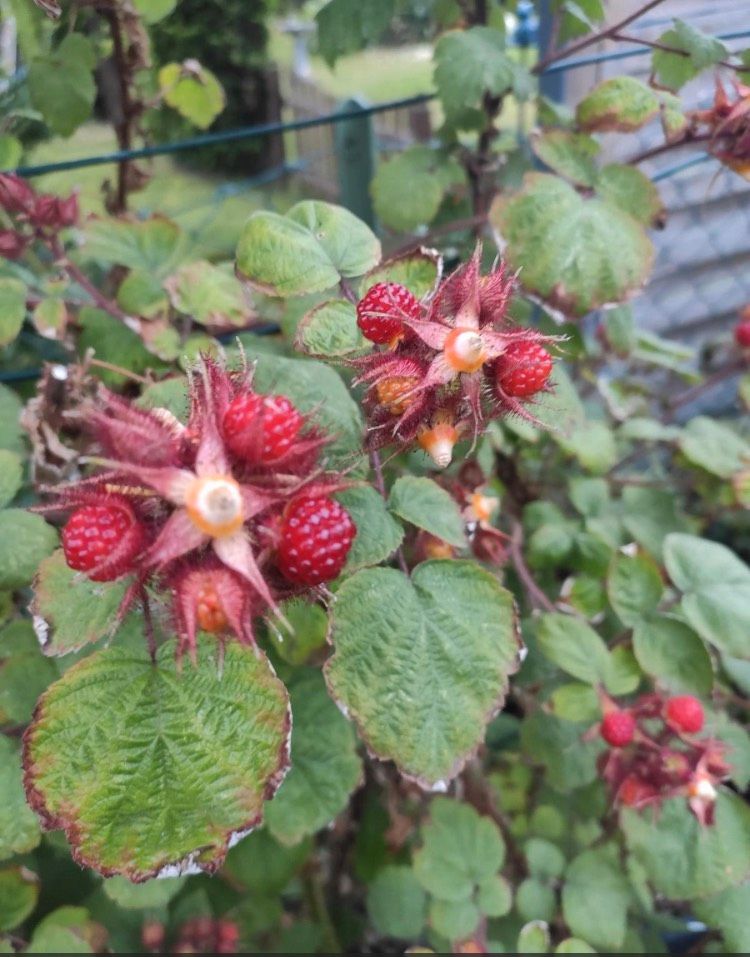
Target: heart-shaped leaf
{"x": 575, "y": 253}
{"x": 422, "y": 664}
{"x": 150, "y": 769}
{"x": 716, "y": 587}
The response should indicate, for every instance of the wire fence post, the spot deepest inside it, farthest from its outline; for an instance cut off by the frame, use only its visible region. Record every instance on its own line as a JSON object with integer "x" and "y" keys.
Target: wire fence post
{"x": 551, "y": 85}
{"x": 355, "y": 158}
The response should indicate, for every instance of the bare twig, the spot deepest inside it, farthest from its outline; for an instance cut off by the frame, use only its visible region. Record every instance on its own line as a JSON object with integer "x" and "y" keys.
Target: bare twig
{"x": 535, "y": 593}
{"x": 606, "y": 33}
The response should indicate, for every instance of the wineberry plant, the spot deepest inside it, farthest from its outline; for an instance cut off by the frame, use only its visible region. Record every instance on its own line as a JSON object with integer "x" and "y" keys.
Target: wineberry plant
{"x": 421, "y": 624}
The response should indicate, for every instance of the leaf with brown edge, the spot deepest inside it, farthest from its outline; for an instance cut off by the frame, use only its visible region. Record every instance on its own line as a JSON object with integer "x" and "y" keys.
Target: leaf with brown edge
{"x": 421, "y": 664}
{"x": 150, "y": 770}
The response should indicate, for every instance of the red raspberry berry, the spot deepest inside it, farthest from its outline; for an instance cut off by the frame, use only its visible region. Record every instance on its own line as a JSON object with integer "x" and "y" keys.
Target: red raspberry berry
{"x": 316, "y": 535}
{"x": 618, "y": 728}
{"x": 103, "y": 540}
{"x": 261, "y": 428}
{"x": 523, "y": 369}
{"x": 685, "y": 713}
{"x": 634, "y": 792}
{"x": 381, "y": 310}
{"x": 742, "y": 333}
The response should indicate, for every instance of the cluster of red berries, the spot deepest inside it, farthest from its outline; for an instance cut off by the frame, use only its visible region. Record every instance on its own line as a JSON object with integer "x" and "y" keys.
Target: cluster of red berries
{"x": 728, "y": 124}
{"x": 654, "y": 754}
{"x": 446, "y": 366}
{"x": 201, "y": 935}
{"x": 227, "y": 514}
{"x": 34, "y": 214}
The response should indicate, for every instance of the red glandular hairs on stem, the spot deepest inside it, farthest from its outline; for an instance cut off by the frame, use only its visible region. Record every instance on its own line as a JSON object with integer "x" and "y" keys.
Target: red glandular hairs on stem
{"x": 457, "y": 362}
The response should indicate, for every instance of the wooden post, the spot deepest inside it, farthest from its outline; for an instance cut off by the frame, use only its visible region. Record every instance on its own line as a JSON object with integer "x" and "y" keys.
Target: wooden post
{"x": 355, "y": 158}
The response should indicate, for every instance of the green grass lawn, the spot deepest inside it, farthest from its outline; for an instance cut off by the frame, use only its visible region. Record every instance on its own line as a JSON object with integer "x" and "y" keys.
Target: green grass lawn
{"x": 195, "y": 200}
{"x": 380, "y": 73}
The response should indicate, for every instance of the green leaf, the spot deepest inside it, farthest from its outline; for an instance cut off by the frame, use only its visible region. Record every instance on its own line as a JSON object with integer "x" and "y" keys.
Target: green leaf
{"x": 631, "y": 190}
{"x": 460, "y": 849}
{"x": 716, "y": 587}
{"x": 650, "y": 515}
{"x": 316, "y": 389}
{"x": 71, "y": 611}
{"x": 545, "y": 859}
{"x": 595, "y": 897}
{"x": 535, "y": 900}
{"x": 397, "y": 203}
{"x": 423, "y": 503}
{"x": 23, "y": 677}
{"x": 727, "y": 912}
{"x": 345, "y": 26}
{"x": 25, "y": 539}
{"x": 418, "y": 269}
{"x": 396, "y": 903}
{"x": 593, "y": 444}
{"x": 264, "y": 866}
{"x": 154, "y": 10}
{"x": 715, "y": 447}
{"x": 349, "y": 243}
{"x": 154, "y": 245}
{"x": 454, "y": 920}
{"x": 61, "y": 84}
{"x": 210, "y": 294}
{"x": 673, "y": 70}
{"x": 142, "y": 294}
{"x": 149, "y": 894}
{"x": 672, "y": 653}
{"x": 533, "y": 938}
{"x": 621, "y": 103}
{"x": 682, "y": 858}
{"x": 50, "y": 317}
{"x": 576, "y": 253}
{"x": 11, "y": 476}
{"x": 575, "y": 702}
{"x": 19, "y": 828}
{"x": 574, "y": 945}
{"x": 152, "y": 770}
{"x": 635, "y": 588}
{"x": 468, "y": 64}
{"x": 572, "y": 155}
{"x": 67, "y": 930}
{"x": 574, "y": 646}
{"x": 193, "y": 91}
{"x": 11, "y": 151}
{"x": 11, "y": 434}
{"x": 113, "y": 342}
{"x": 325, "y": 765}
{"x": 495, "y": 897}
{"x": 422, "y": 664}
{"x": 306, "y": 251}
{"x": 282, "y": 258}
{"x": 624, "y": 674}
{"x": 19, "y": 890}
{"x": 12, "y": 309}
{"x": 378, "y": 533}
{"x": 309, "y": 626}
{"x": 569, "y": 761}
{"x": 329, "y": 329}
